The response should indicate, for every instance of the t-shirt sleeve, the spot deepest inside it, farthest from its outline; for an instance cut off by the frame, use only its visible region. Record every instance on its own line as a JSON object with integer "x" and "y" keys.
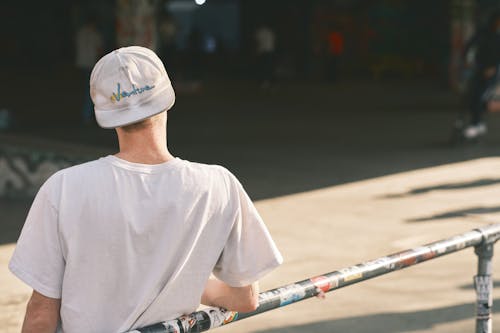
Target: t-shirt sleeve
{"x": 250, "y": 252}
{"x": 37, "y": 258}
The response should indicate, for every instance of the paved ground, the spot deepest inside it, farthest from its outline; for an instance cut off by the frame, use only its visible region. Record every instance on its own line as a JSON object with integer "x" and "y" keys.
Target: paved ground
{"x": 338, "y": 171}
{"x": 335, "y": 227}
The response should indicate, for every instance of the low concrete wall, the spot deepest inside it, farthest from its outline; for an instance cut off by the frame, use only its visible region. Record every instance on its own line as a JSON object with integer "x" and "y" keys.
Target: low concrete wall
{"x": 23, "y": 171}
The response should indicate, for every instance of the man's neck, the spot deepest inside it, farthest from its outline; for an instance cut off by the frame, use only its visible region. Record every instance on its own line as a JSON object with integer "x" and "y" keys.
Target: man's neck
{"x": 145, "y": 157}
{"x": 145, "y": 147}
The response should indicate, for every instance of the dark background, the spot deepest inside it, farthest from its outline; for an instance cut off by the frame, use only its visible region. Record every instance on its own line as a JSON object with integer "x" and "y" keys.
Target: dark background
{"x": 391, "y": 108}
{"x": 410, "y": 39}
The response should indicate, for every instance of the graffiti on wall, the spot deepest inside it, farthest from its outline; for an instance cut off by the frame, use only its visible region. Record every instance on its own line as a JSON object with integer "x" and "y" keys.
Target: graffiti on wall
{"x": 22, "y": 172}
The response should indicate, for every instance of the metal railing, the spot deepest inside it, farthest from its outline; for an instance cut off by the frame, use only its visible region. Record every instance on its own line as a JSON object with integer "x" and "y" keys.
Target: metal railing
{"x": 482, "y": 239}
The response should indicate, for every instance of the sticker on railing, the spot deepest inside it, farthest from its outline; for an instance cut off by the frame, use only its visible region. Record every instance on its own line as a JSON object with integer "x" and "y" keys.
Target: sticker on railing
{"x": 385, "y": 262}
{"x": 322, "y": 282}
{"x": 351, "y": 273}
{"x": 172, "y": 326}
{"x": 291, "y": 293}
{"x": 219, "y": 317}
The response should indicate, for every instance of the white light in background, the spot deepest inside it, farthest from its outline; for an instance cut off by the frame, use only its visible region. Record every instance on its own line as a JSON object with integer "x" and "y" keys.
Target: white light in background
{"x": 200, "y": 2}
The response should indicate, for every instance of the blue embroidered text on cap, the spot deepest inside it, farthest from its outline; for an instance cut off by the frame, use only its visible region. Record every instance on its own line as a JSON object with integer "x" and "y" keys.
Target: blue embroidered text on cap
{"x": 116, "y": 97}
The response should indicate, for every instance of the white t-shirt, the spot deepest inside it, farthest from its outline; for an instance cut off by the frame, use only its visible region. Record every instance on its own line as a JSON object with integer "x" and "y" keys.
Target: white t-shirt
{"x": 125, "y": 245}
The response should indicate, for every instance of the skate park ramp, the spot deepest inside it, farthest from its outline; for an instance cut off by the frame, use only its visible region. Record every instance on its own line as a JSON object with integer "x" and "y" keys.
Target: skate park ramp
{"x": 334, "y": 227}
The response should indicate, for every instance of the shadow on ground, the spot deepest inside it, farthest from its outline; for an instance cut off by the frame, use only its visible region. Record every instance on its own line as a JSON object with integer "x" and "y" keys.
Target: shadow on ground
{"x": 457, "y": 213}
{"x": 446, "y": 187}
{"x": 389, "y": 322}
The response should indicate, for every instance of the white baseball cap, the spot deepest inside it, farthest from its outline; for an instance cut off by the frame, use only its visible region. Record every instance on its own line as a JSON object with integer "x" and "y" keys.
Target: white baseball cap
{"x": 128, "y": 85}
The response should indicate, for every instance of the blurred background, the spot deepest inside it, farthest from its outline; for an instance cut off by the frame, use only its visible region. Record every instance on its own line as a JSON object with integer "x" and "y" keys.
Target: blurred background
{"x": 344, "y": 89}
{"x": 292, "y": 96}
{"x": 211, "y": 41}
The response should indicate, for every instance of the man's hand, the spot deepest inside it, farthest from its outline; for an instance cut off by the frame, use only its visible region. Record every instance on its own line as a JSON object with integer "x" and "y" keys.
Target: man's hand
{"x": 239, "y": 299}
{"x": 42, "y": 314}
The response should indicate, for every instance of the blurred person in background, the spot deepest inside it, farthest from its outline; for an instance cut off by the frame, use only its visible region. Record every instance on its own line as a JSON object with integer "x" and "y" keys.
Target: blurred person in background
{"x": 167, "y": 33}
{"x": 89, "y": 48}
{"x": 335, "y": 49}
{"x": 265, "y": 41}
{"x": 195, "y": 57}
{"x": 486, "y": 45}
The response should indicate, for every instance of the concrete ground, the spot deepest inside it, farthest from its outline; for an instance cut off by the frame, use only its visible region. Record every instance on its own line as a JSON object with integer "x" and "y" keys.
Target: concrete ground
{"x": 343, "y": 174}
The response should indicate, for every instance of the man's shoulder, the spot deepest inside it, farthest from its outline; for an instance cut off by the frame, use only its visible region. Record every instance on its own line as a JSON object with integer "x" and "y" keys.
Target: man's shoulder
{"x": 74, "y": 176}
{"x": 83, "y": 167}
{"x": 205, "y": 166}
{"x": 210, "y": 170}
{"x": 77, "y": 171}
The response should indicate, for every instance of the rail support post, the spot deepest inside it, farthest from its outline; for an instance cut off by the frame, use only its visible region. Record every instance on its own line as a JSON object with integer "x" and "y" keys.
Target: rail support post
{"x": 483, "y": 283}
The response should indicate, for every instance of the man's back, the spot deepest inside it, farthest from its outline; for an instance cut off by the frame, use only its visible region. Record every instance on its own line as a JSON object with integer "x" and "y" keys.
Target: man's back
{"x": 131, "y": 239}
{"x": 142, "y": 238}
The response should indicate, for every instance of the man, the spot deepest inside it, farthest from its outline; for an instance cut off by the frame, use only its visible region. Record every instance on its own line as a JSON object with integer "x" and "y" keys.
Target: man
{"x": 132, "y": 239}
{"x": 487, "y": 59}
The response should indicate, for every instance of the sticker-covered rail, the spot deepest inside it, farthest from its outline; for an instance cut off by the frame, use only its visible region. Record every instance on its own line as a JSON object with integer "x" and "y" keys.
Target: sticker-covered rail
{"x": 482, "y": 239}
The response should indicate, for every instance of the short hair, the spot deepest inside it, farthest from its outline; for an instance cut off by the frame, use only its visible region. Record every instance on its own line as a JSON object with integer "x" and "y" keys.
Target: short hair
{"x": 136, "y": 126}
